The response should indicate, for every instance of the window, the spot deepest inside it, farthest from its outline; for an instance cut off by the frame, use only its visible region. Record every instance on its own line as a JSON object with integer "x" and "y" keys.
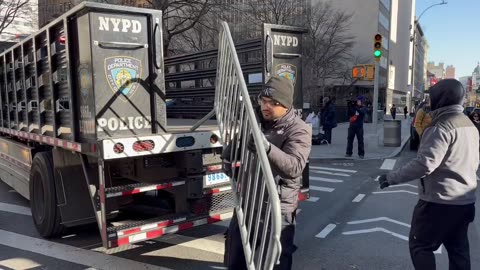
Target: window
{"x": 383, "y": 21}
{"x": 386, "y": 4}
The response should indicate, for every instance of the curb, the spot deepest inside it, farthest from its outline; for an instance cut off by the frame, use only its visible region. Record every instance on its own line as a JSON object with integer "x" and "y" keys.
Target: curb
{"x": 394, "y": 154}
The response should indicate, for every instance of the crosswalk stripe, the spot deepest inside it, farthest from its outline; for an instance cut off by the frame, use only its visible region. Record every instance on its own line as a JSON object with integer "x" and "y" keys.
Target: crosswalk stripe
{"x": 16, "y": 209}
{"x": 314, "y": 178}
{"x": 332, "y": 169}
{"x": 204, "y": 244}
{"x": 388, "y": 164}
{"x": 313, "y": 199}
{"x": 71, "y": 254}
{"x": 321, "y": 189}
{"x": 329, "y": 173}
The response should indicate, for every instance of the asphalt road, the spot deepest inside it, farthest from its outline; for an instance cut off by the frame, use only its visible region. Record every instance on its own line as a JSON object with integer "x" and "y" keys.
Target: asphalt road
{"x": 348, "y": 223}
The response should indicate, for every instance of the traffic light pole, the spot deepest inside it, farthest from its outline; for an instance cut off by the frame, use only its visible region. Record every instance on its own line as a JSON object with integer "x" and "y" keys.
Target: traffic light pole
{"x": 375, "y": 95}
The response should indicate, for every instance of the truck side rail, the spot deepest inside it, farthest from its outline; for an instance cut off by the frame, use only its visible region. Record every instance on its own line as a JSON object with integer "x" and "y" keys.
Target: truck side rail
{"x": 255, "y": 192}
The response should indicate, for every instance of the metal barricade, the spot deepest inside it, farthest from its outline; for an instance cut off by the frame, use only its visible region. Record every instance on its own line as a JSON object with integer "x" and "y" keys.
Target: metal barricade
{"x": 256, "y": 195}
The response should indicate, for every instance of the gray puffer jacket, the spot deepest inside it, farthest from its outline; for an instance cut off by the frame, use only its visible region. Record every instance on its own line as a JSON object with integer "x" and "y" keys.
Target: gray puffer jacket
{"x": 291, "y": 141}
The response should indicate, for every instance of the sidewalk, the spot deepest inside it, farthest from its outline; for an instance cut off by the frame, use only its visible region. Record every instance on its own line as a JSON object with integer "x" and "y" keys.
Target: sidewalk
{"x": 374, "y": 148}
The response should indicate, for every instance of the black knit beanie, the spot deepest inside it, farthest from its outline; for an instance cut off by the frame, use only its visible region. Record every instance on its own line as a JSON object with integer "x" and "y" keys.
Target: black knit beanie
{"x": 279, "y": 89}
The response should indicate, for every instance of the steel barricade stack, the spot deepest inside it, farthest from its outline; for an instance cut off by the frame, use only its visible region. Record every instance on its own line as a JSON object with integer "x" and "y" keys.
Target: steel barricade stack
{"x": 257, "y": 200}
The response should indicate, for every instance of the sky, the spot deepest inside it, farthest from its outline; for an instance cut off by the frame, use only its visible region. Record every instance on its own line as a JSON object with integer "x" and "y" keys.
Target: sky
{"x": 452, "y": 32}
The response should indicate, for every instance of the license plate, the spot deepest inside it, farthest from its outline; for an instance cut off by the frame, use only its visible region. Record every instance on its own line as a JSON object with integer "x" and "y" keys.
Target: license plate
{"x": 215, "y": 179}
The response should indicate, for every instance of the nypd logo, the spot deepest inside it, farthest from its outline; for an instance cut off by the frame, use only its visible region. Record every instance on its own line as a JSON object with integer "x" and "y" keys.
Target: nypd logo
{"x": 122, "y": 73}
{"x": 288, "y": 71}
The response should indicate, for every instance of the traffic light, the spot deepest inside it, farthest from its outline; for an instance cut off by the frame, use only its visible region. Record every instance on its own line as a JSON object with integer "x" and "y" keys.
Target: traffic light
{"x": 358, "y": 72}
{"x": 370, "y": 72}
{"x": 377, "y": 47}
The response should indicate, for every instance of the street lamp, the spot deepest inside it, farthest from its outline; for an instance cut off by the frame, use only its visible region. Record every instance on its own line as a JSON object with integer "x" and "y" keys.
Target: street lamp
{"x": 412, "y": 39}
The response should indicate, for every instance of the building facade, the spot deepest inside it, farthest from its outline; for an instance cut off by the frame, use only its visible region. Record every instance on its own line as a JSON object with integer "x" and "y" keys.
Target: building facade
{"x": 24, "y": 23}
{"x": 438, "y": 70}
{"x": 420, "y": 68}
{"x": 450, "y": 72}
{"x": 401, "y": 57}
{"x": 369, "y": 17}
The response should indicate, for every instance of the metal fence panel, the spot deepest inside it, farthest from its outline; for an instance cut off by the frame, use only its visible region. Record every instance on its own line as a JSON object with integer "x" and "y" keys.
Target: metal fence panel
{"x": 256, "y": 195}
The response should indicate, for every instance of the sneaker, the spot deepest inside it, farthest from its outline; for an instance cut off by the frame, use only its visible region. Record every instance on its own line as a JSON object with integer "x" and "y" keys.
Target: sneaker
{"x": 347, "y": 155}
{"x": 362, "y": 157}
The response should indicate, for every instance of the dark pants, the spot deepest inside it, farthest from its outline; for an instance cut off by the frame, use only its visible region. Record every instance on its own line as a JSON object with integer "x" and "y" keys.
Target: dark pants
{"x": 234, "y": 258}
{"x": 352, "y": 132}
{"x": 435, "y": 224}
{"x": 328, "y": 135}
{"x": 393, "y": 116}
{"x": 405, "y": 115}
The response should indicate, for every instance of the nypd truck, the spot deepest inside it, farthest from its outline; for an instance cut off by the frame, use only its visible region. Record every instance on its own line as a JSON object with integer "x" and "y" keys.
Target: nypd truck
{"x": 96, "y": 126}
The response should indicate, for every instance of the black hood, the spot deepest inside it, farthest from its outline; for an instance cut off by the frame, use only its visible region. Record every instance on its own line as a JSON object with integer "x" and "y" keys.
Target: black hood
{"x": 446, "y": 92}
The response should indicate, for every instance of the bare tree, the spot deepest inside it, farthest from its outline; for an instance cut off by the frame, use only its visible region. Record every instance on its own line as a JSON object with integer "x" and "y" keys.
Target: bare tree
{"x": 11, "y": 10}
{"x": 272, "y": 11}
{"x": 327, "y": 48}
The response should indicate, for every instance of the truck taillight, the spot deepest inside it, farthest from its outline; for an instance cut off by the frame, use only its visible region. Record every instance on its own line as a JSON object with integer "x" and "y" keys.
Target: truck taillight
{"x": 118, "y": 148}
{"x": 61, "y": 39}
{"x": 142, "y": 146}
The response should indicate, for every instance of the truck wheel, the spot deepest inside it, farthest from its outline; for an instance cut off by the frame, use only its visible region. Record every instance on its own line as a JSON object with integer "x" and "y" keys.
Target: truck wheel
{"x": 43, "y": 198}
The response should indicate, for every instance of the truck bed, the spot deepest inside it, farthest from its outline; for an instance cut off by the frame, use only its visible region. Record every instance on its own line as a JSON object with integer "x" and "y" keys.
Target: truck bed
{"x": 184, "y": 125}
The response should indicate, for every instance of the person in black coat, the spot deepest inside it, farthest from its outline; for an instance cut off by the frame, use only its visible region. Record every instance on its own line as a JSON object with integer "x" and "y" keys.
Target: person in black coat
{"x": 356, "y": 113}
{"x": 328, "y": 119}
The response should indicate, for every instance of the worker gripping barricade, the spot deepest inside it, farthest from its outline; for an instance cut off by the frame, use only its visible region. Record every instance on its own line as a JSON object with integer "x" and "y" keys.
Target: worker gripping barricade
{"x": 262, "y": 230}
{"x": 257, "y": 204}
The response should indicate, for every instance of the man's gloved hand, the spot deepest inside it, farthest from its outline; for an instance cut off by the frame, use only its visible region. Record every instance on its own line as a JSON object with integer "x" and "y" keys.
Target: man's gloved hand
{"x": 383, "y": 182}
{"x": 227, "y": 167}
{"x": 265, "y": 143}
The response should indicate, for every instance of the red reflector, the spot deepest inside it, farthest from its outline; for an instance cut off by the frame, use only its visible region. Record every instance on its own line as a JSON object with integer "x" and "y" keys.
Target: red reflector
{"x": 302, "y": 196}
{"x": 62, "y": 39}
{"x": 118, "y": 148}
{"x": 214, "y": 168}
{"x": 142, "y": 146}
{"x": 123, "y": 241}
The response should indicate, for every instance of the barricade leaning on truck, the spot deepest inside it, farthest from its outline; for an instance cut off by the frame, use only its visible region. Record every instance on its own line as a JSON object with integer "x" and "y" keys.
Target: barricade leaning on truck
{"x": 86, "y": 137}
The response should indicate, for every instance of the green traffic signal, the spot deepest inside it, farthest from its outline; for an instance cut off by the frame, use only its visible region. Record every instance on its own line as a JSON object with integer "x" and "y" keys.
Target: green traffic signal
{"x": 377, "y": 53}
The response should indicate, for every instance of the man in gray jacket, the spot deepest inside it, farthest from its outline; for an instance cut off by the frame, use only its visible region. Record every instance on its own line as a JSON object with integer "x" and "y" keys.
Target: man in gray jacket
{"x": 287, "y": 140}
{"x": 447, "y": 162}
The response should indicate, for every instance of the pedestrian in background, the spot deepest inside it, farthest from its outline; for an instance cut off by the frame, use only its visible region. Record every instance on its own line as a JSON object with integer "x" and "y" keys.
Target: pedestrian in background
{"x": 328, "y": 118}
{"x": 356, "y": 113}
{"x": 287, "y": 140}
{"x": 405, "y": 111}
{"x": 423, "y": 119}
{"x": 475, "y": 117}
{"x": 448, "y": 167}
{"x": 393, "y": 111}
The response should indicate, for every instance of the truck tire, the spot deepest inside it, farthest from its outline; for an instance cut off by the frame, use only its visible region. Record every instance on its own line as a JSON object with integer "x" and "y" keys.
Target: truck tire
{"x": 43, "y": 198}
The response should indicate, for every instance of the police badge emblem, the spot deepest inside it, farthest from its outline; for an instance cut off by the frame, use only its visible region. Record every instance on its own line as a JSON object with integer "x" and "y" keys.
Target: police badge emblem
{"x": 288, "y": 71}
{"x": 122, "y": 73}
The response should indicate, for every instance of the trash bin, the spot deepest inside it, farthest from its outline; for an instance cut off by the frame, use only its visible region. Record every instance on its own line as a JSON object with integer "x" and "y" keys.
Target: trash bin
{"x": 392, "y": 133}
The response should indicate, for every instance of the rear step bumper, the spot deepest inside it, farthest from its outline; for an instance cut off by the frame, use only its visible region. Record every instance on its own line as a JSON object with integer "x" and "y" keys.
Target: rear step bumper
{"x": 139, "y": 188}
{"x": 158, "y": 228}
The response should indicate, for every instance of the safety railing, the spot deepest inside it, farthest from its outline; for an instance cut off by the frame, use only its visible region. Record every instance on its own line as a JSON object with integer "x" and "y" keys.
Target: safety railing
{"x": 257, "y": 200}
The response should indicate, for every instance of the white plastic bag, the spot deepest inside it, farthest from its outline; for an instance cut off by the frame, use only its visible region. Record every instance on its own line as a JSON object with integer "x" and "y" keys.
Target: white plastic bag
{"x": 315, "y": 125}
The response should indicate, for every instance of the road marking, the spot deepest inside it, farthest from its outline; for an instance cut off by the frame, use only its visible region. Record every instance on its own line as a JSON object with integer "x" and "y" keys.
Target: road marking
{"x": 377, "y": 229}
{"x": 298, "y": 211}
{"x": 71, "y": 254}
{"x": 321, "y": 189}
{"x": 314, "y": 178}
{"x": 204, "y": 244}
{"x": 328, "y": 229}
{"x": 332, "y": 169}
{"x": 478, "y": 179}
{"x": 379, "y": 219}
{"x": 359, "y": 198}
{"x": 16, "y": 209}
{"x": 330, "y": 173}
{"x": 439, "y": 250}
{"x": 376, "y": 179}
{"x": 395, "y": 191}
{"x": 388, "y": 164}
{"x": 313, "y": 199}
{"x": 19, "y": 263}
{"x": 404, "y": 185}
